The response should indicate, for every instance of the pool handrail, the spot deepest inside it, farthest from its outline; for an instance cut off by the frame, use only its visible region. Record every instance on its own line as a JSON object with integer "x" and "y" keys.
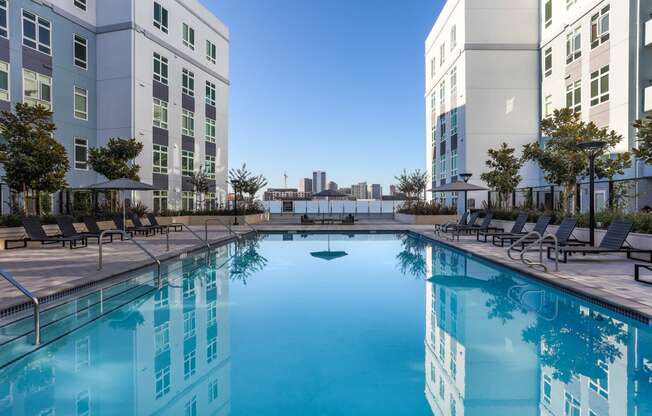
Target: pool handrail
{"x": 225, "y": 225}
{"x": 37, "y": 307}
{"x": 130, "y": 237}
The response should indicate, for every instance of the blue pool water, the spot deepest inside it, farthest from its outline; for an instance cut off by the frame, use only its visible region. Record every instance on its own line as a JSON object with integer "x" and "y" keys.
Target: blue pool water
{"x": 330, "y": 325}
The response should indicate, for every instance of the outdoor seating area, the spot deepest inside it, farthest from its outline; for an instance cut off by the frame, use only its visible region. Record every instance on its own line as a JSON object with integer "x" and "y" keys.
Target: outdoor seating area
{"x": 324, "y": 220}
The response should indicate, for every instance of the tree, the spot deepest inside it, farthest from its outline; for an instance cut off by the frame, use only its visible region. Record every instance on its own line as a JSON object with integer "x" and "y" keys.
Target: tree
{"x": 560, "y": 158}
{"x": 200, "y": 182}
{"x": 413, "y": 184}
{"x": 503, "y": 174}
{"x": 34, "y": 161}
{"x": 644, "y": 136}
{"x": 243, "y": 182}
{"x": 116, "y": 160}
{"x": 254, "y": 185}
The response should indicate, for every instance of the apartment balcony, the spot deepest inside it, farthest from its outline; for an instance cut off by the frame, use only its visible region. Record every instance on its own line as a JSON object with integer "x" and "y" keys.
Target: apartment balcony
{"x": 647, "y": 104}
{"x": 648, "y": 33}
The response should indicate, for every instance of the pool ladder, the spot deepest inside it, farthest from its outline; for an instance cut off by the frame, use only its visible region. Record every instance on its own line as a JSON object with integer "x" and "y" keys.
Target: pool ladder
{"x": 37, "y": 307}
{"x": 539, "y": 239}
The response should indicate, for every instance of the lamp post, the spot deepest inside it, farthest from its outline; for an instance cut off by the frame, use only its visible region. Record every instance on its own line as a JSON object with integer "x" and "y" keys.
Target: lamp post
{"x": 465, "y": 177}
{"x": 592, "y": 149}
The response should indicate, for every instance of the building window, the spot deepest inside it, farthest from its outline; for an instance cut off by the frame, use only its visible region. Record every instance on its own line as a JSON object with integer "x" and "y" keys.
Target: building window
{"x": 4, "y": 81}
{"x": 81, "y": 51}
{"x": 83, "y": 404}
{"x": 210, "y": 167}
{"x": 453, "y": 37}
{"x": 454, "y": 82}
{"x": 189, "y": 322}
{"x": 547, "y": 106}
{"x": 454, "y": 171}
{"x": 81, "y": 103}
{"x": 160, "y": 17}
{"x": 37, "y": 89}
{"x": 160, "y": 113}
{"x": 187, "y": 123}
{"x": 188, "y": 83}
{"x": 574, "y": 97}
{"x": 442, "y": 127}
{"x": 574, "y": 45}
{"x": 160, "y": 201}
{"x": 572, "y": 406}
{"x": 188, "y": 36}
{"x": 3, "y": 19}
{"x": 210, "y": 93}
{"x": 210, "y": 130}
{"x": 187, "y": 162}
{"x": 212, "y": 391}
{"x": 80, "y": 4}
{"x": 442, "y": 93}
{"x": 442, "y": 54}
{"x": 600, "y": 385}
{"x": 189, "y": 364}
{"x": 188, "y": 201}
{"x": 433, "y": 67}
{"x": 36, "y": 32}
{"x": 600, "y": 86}
{"x": 162, "y": 382}
{"x": 210, "y": 202}
{"x": 160, "y": 69}
{"x": 211, "y": 52}
{"x": 159, "y": 159}
{"x": 548, "y": 13}
{"x": 442, "y": 168}
{"x": 600, "y": 27}
{"x": 81, "y": 154}
{"x": 547, "y": 62}
{"x": 162, "y": 338}
{"x": 190, "y": 408}
{"x": 570, "y": 3}
{"x": 454, "y": 122}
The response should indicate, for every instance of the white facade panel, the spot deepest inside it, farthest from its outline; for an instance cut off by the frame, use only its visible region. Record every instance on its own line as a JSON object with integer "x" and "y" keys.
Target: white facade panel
{"x": 648, "y": 33}
{"x": 648, "y": 99}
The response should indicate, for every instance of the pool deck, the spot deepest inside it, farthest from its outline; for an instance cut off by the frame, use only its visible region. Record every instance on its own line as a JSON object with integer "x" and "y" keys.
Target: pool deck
{"x": 606, "y": 280}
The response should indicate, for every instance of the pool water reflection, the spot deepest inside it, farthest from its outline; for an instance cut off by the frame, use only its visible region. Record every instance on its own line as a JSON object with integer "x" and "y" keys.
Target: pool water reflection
{"x": 271, "y": 329}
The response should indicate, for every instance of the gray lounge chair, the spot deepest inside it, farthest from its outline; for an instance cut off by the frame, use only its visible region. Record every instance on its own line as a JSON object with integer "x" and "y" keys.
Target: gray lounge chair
{"x": 564, "y": 235}
{"x": 68, "y": 229}
{"x": 452, "y": 228}
{"x": 120, "y": 225}
{"x": 153, "y": 221}
{"x": 36, "y": 233}
{"x": 92, "y": 227}
{"x": 485, "y": 225}
{"x": 540, "y": 227}
{"x": 462, "y": 221}
{"x": 517, "y": 228}
{"x": 615, "y": 241}
{"x": 135, "y": 219}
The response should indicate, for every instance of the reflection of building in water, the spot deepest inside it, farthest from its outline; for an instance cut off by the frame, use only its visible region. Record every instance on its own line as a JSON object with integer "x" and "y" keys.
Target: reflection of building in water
{"x": 640, "y": 377}
{"x": 168, "y": 352}
{"x": 473, "y": 367}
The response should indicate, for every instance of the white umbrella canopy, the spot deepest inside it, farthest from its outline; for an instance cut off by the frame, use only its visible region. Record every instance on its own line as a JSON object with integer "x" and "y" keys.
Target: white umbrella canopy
{"x": 123, "y": 184}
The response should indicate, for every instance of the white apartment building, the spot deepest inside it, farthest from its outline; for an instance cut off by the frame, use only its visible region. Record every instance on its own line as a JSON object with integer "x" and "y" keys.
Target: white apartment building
{"x": 494, "y": 70}
{"x": 482, "y": 87}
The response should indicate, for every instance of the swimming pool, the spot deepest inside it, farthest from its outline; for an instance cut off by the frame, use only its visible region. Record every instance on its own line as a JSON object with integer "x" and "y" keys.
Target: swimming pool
{"x": 289, "y": 324}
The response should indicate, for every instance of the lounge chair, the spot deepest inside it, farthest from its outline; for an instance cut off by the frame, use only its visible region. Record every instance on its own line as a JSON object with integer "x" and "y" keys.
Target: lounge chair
{"x": 36, "y": 233}
{"x": 120, "y": 225}
{"x": 153, "y": 221}
{"x": 454, "y": 227}
{"x": 615, "y": 241}
{"x": 92, "y": 227}
{"x": 348, "y": 220}
{"x": 306, "y": 220}
{"x": 517, "y": 228}
{"x": 564, "y": 235}
{"x": 462, "y": 221}
{"x": 485, "y": 225}
{"x": 68, "y": 229}
{"x": 139, "y": 224}
{"x": 540, "y": 227}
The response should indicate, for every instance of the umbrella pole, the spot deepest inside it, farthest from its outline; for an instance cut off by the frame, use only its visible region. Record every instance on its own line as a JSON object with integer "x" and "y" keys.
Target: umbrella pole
{"x": 124, "y": 211}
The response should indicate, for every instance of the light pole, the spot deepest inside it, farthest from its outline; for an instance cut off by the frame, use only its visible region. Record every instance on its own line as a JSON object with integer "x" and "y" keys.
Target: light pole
{"x": 465, "y": 177}
{"x": 592, "y": 149}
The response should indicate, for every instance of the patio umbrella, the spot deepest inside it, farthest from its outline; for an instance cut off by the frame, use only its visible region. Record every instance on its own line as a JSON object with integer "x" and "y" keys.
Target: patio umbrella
{"x": 459, "y": 187}
{"x": 329, "y": 255}
{"x": 123, "y": 185}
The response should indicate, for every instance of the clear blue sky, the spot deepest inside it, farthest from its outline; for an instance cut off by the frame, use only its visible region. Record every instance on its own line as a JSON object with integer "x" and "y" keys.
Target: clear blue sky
{"x": 334, "y": 85}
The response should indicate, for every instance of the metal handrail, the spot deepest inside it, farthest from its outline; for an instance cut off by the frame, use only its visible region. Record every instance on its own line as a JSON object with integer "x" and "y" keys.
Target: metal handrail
{"x": 521, "y": 240}
{"x": 130, "y": 238}
{"x": 540, "y": 241}
{"x": 37, "y": 308}
{"x": 250, "y": 226}
{"x": 227, "y": 226}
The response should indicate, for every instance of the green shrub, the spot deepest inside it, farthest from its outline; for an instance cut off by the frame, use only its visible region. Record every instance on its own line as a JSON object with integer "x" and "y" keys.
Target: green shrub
{"x": 427, "y": 208}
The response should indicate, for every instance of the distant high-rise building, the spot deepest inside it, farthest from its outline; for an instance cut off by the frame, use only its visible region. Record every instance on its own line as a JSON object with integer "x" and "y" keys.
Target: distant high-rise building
{"x": 305, "y": 185}
{"x": 332, "y": 186}
{"x": 318, "y": 181}
{"x": 375, "y": 191}
{"x": 360, "y": 191}
{"x": 392, "y": 190}
{"x": 345, "y": 191}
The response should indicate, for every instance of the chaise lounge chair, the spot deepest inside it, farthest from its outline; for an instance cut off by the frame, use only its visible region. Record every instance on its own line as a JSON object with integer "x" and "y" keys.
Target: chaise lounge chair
{"x": 306, "y": 220}
{"x": 36, "y": 233}
{"x": 153, "y": 221}
{"x": 563, "y": 234}
{"x": 615, "y": 241}
{"x": 135, "y": 219}
{"x": 92, "y": 227}
{"x": 517, "y": 228}
{"x": 485, "y": 225}
{"x": 540, "y": 227}
{"x": 120, "y": 225}
{"x": 462, "y": 221}
{"x": 68, "y": 229}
